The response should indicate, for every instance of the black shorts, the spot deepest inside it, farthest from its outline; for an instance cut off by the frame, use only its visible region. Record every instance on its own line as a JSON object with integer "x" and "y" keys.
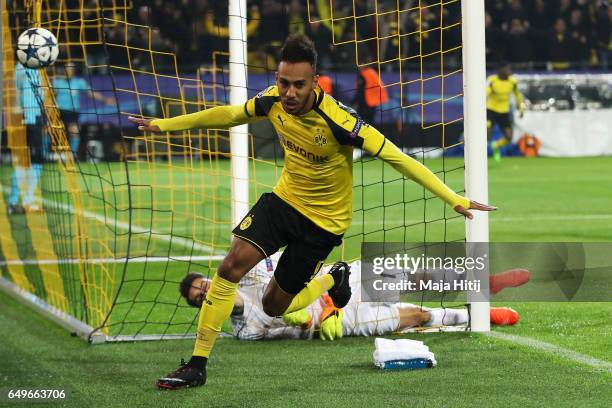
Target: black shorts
{"x": 502, "y": 119}
{"x": 272, "y": 224}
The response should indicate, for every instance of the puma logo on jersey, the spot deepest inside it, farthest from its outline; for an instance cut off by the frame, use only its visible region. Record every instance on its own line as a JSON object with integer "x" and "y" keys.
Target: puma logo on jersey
{"x": 281, "y": 120}
{"x": 346, "y": 121}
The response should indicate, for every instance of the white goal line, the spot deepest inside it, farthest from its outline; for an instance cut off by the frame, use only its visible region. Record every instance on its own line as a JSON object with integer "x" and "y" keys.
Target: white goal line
{"x": 559, "y": 351}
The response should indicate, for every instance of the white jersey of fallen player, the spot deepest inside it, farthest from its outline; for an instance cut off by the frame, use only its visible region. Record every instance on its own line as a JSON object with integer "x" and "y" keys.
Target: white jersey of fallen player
{"x": 254, "y": 323}
{"x": 360, "y": 318}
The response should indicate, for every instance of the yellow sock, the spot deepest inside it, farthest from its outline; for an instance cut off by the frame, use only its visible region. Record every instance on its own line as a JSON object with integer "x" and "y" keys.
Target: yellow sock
{"x": 216, "y": 307}
{"x": 311, "y": 292}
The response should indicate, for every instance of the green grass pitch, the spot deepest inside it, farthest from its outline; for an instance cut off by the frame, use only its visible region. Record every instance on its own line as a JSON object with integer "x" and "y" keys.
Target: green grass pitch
{"x": 540, "y": 200}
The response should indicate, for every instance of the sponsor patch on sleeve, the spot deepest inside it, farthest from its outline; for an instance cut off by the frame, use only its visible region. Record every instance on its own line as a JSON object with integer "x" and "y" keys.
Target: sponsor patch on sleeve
{"x": 356, "y": 128}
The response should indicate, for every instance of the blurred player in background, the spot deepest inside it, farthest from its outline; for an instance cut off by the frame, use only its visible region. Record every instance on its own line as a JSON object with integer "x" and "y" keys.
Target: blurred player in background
{"x": 355, "y": 319}
{"x": 310, "y": 207}
{"x": 68, "y": 92}
{"x": 27, "y": 160}
{"x": 500, "y": 88}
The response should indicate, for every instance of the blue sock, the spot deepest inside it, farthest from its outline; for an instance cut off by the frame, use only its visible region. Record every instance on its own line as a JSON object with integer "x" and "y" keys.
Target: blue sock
{"x": 16, "y": 181}
{"x": 33, "y": 175}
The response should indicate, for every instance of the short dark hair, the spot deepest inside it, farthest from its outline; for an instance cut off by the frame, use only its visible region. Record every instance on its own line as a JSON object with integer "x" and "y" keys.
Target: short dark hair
{"x": 186, "y": 285}
{"x": 299, "y": 48}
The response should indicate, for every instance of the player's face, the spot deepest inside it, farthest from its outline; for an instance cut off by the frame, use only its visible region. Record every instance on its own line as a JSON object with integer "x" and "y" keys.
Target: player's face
{"x": 295, "y": 82}
{"x": 199, "y": 288}
{"x": 504, "y": 72}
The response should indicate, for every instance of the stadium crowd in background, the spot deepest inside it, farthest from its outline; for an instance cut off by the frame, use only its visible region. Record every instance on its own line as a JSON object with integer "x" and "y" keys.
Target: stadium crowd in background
{"x": 558, "y": 34}
{"x": 531, "y": 34}
{"x": 552, "y": 35}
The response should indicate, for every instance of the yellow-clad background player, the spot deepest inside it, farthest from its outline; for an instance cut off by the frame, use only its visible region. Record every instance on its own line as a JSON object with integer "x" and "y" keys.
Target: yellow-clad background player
{"x": 500, "y": 88}
{"x": 310, "y": 207}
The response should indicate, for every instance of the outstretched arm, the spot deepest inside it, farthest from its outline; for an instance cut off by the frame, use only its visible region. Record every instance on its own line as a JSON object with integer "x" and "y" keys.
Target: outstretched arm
{"x": 377, "y": 145}
{"x": 219, "y": 117}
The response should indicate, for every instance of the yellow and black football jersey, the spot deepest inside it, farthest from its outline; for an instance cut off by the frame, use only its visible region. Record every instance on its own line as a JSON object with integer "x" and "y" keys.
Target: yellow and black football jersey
{"x": 499, "y": 92}
{"x": 317, "y": 179}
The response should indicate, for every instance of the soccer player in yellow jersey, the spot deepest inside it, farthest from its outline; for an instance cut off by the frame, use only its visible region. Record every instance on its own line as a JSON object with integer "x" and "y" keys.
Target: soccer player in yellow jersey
{"x": 500, "y": 88}
{"x": 310, "y": 207}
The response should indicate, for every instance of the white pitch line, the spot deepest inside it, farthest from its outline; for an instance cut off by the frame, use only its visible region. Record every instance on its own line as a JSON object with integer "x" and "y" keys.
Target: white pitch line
{"x": 576, "y": 217}
{"x": 571, "y": 217}
{"x": 186, "y": 243}
{"x": 151, "y": 259}
{"x": 554, "y": 349}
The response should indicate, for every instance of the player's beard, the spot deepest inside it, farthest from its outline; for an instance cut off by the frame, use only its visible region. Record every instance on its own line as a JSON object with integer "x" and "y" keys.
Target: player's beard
{"x": 293, "y": 106}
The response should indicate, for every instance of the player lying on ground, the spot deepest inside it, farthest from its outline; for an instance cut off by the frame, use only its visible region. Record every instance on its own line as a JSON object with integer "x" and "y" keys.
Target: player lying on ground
{"x": 355, "y": 319}
{"x": 310, "y": 207}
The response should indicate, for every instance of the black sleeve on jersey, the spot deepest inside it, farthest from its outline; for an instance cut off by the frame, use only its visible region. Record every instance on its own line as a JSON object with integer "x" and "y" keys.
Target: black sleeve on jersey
{"x": 263, "y": 104}
{"x": 343, "y": 136}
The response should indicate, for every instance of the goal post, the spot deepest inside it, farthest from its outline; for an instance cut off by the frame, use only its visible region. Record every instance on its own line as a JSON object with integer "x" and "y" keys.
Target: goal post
{"x": 475, "y": 139}
{"x": 239, "y": 139}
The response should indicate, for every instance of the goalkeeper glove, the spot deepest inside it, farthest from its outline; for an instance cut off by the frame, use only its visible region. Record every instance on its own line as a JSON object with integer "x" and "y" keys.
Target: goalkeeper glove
{"x": 331, "y": 321}
{"x": 299, "y": 318}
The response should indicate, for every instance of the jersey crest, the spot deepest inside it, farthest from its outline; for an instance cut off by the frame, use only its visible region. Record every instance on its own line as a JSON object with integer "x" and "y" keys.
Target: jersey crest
{"x": 319, "y": 138}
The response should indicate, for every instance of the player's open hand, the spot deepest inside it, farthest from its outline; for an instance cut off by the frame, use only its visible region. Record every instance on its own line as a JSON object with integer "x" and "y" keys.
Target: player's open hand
{"x": 144, "y": 124}
{"x": 473, "y": 206}
{"x": 331, "y": 324}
